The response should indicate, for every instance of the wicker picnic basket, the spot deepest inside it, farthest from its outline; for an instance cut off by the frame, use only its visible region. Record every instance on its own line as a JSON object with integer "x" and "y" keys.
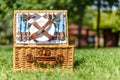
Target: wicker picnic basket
{"x": 41, "y": 40}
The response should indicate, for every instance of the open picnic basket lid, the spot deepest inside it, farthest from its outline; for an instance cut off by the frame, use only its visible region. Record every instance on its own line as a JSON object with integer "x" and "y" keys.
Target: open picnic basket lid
{"x": 41, "y": 27}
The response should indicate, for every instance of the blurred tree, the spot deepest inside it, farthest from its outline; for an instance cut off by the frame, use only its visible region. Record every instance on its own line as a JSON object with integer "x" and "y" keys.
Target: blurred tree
{"x": 111, "y": 29}
{"x": 6, "y": 20}
{"x": 88, "y": 18}
{"x": 109, "y": 21}
{"x": 76, "y": 10}
{"x": 105, "y": 5}
{"x": 79, "y": 9}
{"x": 110, "y": 25}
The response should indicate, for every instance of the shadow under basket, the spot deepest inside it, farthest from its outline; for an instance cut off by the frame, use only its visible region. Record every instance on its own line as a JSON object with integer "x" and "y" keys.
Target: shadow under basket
{"x": 42, "y": 57}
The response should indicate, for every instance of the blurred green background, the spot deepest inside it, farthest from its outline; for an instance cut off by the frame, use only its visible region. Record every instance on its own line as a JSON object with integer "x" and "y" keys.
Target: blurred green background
{"x": 97, "y": 15}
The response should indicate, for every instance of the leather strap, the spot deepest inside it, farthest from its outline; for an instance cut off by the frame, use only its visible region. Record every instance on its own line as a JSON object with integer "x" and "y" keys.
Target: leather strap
{"x": 59, "y": 38}
{"x": 50, "y": 16}
{"x": 59, "y": 33}
{"x": 28, "y": 16}
{"x": 41, "y": 30}
{"x": 45, "y": 58}
{"x": 19, "y": 38}
{"x": 58, "y": 58}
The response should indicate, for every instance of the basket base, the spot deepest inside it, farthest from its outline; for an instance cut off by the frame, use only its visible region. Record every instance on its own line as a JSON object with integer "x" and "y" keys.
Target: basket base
{"x": 42, "y": 58}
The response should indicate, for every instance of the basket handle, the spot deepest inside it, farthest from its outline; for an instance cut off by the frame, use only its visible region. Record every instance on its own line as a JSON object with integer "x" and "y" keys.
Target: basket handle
{"x": 58, "y": 58}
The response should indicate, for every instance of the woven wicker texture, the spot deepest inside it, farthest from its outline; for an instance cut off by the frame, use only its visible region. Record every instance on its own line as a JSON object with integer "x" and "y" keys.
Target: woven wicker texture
{"x": 27, "y": 56}
{"x": 21, "y": 53}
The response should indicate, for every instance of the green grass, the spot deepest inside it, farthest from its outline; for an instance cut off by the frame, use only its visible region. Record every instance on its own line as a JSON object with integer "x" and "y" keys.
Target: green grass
{"x": 89, "y": 64}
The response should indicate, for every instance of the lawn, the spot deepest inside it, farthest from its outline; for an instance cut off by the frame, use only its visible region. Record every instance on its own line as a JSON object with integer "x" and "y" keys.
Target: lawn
{"x": 89, "y": 64}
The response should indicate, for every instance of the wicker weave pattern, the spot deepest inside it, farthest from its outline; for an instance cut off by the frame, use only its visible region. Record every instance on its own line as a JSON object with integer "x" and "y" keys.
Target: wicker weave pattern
{"x": 21, "y": 63}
